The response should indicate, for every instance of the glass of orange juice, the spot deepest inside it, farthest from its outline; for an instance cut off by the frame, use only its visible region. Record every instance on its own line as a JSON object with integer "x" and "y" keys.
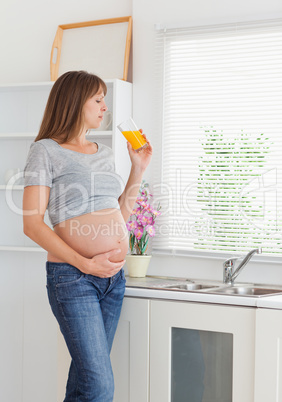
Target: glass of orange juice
{"x": 132, "y": 134}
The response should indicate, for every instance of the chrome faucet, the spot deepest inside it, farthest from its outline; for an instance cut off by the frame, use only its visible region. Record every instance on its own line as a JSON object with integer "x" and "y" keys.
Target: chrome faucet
{"x": 229, "y": 275}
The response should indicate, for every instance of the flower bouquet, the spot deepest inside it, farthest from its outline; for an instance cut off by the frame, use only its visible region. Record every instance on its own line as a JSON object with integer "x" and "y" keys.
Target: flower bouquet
{"x": 141, "y": 224}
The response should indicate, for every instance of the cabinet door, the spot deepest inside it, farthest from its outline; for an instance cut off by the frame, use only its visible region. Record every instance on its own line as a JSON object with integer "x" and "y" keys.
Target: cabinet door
{"x": 11, "y": 333}
{"x": 268, "y": 369}
{"x": 39, "y": 341}
{"x": 28, "y": 331}
{"x": 201, "y": 353}
{"x": 130, "y": 353}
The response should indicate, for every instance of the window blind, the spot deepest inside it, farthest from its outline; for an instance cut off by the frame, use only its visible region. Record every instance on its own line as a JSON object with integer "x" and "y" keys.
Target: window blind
{"x": 219, "y": 154}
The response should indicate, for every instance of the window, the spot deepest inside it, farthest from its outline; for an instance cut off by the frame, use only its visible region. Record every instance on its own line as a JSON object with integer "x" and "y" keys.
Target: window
{"x": 220, "y": 160}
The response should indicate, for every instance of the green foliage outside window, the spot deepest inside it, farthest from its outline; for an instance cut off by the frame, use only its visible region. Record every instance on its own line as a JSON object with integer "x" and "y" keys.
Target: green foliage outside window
{"x": 229, "y": 168}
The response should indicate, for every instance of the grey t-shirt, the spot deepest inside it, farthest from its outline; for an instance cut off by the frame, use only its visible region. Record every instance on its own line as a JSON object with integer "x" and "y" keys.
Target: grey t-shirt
{"x": 79, "y": 183}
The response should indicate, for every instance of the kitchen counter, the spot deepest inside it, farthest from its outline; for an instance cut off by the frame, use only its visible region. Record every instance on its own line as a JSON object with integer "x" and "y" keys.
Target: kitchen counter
{"x": 150, "y": 288}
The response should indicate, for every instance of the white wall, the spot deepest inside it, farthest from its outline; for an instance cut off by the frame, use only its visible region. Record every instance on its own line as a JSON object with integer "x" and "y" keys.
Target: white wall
{"x": 28, "y": 28}
{"x": 146, "y": 13}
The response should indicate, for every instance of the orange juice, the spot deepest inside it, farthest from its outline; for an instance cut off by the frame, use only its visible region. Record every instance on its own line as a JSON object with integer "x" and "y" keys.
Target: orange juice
{"x": 135, "y": 138}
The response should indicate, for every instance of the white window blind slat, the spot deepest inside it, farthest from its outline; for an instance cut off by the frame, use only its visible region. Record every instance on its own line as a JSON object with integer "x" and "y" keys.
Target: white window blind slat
{"x": 219, "y": 178}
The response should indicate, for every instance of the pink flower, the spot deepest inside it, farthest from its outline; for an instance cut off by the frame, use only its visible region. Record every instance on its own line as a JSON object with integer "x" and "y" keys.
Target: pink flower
{"x": 150, "y": 230}
{"x": 148, "y": 208}
{"x": 141, "y": 200}
{"x": 138, "y": 232}
{"x": 136, "y": 211}
{"x": 142, "y": 219}
{"x": 155, "y": 212}
{"x": 143, "y": 204}
{"x": 149, "y": 220}
{"x": 131, "y": 225}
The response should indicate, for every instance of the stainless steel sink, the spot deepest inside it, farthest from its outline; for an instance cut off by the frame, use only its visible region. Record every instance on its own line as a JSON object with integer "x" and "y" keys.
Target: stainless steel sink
{"x": 210, "y": 287}
{"x": 187, "y": 286}
{"x": 246, "y": 291}
{"x": 217, "y": 288}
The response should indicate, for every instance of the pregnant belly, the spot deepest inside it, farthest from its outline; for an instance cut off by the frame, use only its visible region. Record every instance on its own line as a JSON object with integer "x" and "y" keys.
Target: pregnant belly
{"x": 94, "y": 233}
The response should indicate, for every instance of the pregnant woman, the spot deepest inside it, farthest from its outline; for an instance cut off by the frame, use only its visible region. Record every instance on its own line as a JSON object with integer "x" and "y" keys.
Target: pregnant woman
{"x": 76, "y": 181}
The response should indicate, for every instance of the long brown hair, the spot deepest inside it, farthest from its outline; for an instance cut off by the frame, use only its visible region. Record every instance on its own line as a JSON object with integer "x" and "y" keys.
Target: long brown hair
{"x": 63, "y": 116}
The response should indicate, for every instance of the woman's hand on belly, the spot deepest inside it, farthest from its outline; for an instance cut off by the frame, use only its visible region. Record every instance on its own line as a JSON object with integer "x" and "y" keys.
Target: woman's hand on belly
{"x": 102, "y": 266}
{"x": 101, "y": 240}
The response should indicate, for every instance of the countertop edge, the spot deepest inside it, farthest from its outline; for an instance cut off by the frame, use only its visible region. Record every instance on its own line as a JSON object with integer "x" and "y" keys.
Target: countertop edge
{"x": 271, "y": 302}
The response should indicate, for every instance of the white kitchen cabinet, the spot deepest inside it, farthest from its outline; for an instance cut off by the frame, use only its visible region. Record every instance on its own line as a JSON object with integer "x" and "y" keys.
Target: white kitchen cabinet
{"x": 268, "y": 368}
{"x": 29, "y": 343}
{"x": 11, "y": 333}
{"x": 129, "y": 356}
{"x": 39, "y": 341}
{"x": 201, "y": 352}
{"x": 28, "y": 336}
{"x": 130, "y": 352}
{"x": 173, "y": 351}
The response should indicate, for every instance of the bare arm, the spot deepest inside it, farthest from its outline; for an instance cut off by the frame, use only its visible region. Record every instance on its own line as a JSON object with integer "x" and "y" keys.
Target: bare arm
{"x": 140, "y": 160}
{"x": 128, "y": 197}
{"x": 35, "y": 201}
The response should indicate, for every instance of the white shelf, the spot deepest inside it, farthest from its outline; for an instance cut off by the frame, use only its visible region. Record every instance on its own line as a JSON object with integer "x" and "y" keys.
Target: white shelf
{"x": 26, "y": 85}
{"x": 39, "y": 84}
{"x": 17, "y": 135}
{"x": 23, "y": 136}
{"x": 22, "y": 248}
{"x": 16, "y": 187}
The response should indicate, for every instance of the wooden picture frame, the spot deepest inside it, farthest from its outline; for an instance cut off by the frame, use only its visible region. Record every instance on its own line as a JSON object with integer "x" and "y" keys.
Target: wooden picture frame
{"x": 101, "y": 47}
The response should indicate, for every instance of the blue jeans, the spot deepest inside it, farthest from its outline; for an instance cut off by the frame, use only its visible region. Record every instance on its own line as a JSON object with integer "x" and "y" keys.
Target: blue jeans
{"x": 87, "y": 309}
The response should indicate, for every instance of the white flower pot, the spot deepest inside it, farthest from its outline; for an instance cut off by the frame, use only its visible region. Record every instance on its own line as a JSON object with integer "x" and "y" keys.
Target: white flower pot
{"x": 137, "y": 265}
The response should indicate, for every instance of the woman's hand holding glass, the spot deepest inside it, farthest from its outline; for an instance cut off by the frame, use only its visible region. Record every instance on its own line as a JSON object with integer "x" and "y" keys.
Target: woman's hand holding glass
{"x": 141, "y": 158}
